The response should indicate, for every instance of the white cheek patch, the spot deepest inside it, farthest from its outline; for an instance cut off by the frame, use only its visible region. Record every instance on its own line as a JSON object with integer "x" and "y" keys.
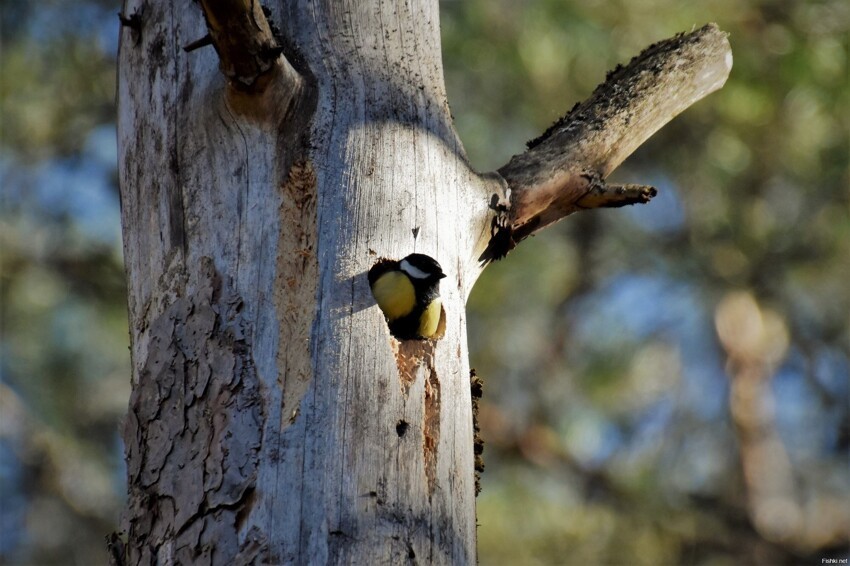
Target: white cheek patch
{"x": 413, "y": 271}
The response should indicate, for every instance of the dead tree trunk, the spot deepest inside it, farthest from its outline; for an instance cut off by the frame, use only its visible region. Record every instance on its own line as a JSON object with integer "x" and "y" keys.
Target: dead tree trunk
{"x": 273, "y": 418}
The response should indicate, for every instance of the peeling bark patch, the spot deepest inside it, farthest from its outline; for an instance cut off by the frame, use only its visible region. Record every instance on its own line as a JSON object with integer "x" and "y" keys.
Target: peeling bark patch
{"x": 297, "y": 281}
{"x": 193, "y": 431}
{"x": 432, "y": 427}
{"x": 415, "y": 357}
{"x": 410, "y": 356}
{"x": 476, "y": 387}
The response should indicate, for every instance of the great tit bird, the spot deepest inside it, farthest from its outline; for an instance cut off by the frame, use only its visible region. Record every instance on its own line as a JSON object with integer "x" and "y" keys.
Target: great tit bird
{"x": 408, "y": 292}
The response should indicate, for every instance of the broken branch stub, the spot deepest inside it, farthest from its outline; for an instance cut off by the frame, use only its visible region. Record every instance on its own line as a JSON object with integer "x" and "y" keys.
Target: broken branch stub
{"x": 563, "y": 170}
{"x": 245, "y": 41}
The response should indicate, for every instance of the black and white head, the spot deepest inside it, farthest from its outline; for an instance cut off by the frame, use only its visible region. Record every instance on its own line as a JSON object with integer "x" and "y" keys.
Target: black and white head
{"x": 421, "y": 268}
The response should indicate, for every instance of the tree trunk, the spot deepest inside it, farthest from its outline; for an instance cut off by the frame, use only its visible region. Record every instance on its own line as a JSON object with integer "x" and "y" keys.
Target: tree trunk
{"x": 273, "y": 417}
{"x": 272, "y": 414}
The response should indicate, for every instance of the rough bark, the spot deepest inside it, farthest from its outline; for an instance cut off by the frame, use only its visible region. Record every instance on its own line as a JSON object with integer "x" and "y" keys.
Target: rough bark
{"x": 267, "y": 389}
{"x": 273, "y": 418}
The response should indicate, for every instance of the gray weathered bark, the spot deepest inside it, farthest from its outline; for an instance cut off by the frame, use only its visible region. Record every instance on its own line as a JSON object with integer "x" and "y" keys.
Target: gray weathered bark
{"x": 273, "y": 418}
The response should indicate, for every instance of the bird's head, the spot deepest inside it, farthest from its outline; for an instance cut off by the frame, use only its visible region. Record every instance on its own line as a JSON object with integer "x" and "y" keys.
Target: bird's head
{"x": 423, "y": 268}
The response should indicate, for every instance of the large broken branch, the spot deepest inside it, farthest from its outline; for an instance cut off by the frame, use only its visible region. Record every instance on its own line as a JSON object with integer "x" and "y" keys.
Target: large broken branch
{"x": 564, "y": 170}
{"x": 244, "y": 38}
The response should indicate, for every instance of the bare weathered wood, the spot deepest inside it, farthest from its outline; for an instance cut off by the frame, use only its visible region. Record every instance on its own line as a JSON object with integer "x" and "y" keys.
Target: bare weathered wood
{"x": 563, "y": 170}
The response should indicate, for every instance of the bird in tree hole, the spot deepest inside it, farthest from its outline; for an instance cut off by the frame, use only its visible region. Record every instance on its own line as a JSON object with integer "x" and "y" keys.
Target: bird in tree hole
{"x": 408, "y": 293}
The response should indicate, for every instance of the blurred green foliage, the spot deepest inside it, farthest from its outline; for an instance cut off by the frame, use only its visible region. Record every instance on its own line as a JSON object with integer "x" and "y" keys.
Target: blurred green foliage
{"x": 64, "y": 360}
{"x": 607, "y": 394}
{"x": 611, "y": 436}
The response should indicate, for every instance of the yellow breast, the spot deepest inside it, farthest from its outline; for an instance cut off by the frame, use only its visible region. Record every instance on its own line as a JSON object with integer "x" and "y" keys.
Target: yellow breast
{"x": 430, "y": 319}
{"x": 395, "y": 294}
